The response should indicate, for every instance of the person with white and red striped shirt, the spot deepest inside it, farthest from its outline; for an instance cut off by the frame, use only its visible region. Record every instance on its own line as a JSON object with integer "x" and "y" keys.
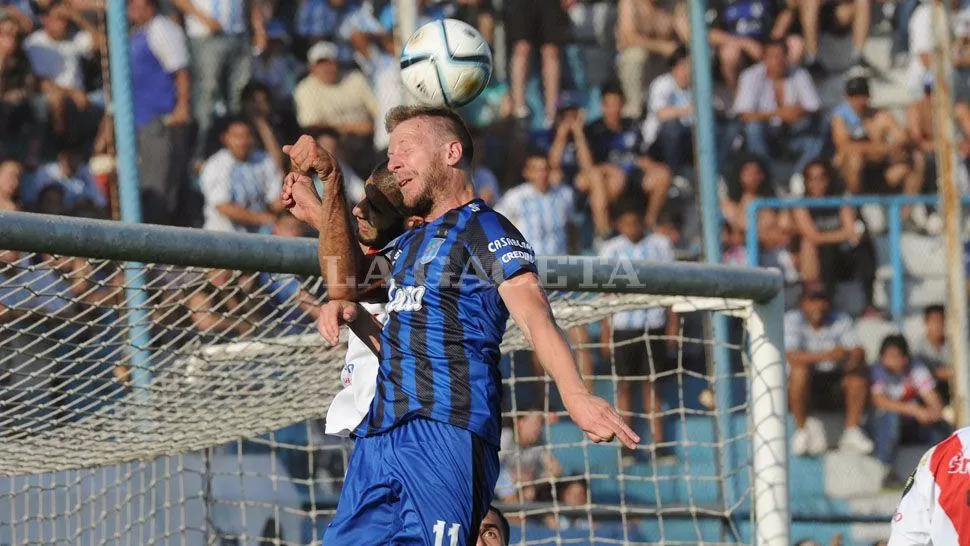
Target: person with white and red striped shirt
{"x": 935, "y": 507}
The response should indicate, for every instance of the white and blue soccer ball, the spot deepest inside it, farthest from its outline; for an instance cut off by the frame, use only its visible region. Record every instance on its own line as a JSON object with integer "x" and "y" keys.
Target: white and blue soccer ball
{"x": 446, "y": 63}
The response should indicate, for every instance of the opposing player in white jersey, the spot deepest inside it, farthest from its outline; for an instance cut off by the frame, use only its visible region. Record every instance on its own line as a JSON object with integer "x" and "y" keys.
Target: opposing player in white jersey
{"x": 935, "y": 507}
{"x": 378, "y": 219}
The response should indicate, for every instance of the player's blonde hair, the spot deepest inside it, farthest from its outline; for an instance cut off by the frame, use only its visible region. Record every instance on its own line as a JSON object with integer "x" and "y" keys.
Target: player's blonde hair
{"x": 447, "y": 120}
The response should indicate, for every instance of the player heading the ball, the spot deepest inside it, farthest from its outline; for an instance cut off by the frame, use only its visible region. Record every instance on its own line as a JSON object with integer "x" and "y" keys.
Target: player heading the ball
{"x": 426, "y": 459}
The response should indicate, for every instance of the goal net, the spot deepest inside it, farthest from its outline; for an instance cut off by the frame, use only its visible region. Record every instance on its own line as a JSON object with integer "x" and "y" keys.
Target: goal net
{"x": 182, "y": 402}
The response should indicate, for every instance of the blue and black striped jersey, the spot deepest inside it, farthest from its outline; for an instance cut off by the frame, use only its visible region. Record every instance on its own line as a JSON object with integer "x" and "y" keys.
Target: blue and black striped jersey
{"x": 446, "y": 321}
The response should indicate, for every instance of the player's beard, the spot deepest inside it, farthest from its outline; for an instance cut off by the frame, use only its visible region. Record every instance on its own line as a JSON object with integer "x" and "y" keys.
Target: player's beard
{"x": 435, "y": 179}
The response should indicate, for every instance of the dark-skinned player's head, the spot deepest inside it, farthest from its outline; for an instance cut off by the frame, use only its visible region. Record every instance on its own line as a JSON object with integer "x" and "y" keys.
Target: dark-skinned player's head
{"x": 380, "y": 214}
{"x": 494, "y": 530}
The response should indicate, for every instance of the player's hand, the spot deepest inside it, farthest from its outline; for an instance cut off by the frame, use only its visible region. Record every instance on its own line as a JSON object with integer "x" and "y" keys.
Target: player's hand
{"x": 333, "y": 314}
{"x": 306, "y": 156}
{"x": 597, "y": 418}
{"x": 299, "y": 196}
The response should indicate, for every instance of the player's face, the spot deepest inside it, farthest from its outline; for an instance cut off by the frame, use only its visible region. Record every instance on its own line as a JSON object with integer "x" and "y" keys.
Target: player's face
{"x": 416, "y": 157}
{"x": 490, "y": 532}
{"x": 377, "y": 221}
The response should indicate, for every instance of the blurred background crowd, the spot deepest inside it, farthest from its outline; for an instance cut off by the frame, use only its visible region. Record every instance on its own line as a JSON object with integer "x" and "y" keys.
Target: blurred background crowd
{"x": 585, "y": 140}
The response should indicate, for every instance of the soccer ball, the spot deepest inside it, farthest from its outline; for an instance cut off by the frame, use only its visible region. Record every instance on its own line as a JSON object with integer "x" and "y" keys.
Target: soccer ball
{"x": 446, "y": 63}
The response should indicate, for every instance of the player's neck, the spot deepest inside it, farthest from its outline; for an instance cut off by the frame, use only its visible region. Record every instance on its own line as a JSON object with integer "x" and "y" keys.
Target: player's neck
{"x": 442, "y": 206}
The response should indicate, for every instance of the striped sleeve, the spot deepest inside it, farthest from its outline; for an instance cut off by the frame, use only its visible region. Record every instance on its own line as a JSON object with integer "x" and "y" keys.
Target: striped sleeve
{"x": 500, "y": 249}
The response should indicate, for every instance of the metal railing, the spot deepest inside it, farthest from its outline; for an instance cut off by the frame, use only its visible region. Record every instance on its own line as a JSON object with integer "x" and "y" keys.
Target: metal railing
{"x": 894, "y": 205}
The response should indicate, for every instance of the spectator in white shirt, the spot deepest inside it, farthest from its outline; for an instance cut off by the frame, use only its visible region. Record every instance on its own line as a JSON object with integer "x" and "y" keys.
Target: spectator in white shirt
{"x": 543, "y": 213}
{"x": 55, "y": 56}
{"x": 670, "y": 113}
{"x": 818, "y": 342}
{"x": 221, "y": 51}
{"x": 241, "y": 185}
{"x": 161, "y": 90}
{"x": 778, "y": 106}
{"x": 342, "y": 101}
{"x": 641, "y": 341}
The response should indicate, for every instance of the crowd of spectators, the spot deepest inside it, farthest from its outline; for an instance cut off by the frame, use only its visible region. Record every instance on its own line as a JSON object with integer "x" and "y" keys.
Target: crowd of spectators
{"x": 585, "y": 157}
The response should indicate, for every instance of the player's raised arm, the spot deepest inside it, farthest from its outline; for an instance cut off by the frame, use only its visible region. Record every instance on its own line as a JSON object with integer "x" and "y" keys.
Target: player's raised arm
{"x": 529, "y": 307}
{"x": 341, "y": 261}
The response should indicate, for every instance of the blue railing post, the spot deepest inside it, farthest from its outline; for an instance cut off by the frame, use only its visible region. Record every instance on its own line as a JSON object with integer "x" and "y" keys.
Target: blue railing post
{"x": 752, "y": 248}
{"x": 706, "y": 158}
{"x": 897, "y": 294}
{"x": 129, "y": 194}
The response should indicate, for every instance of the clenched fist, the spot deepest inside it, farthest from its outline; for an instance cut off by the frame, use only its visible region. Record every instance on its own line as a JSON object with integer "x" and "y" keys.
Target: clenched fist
{"x": 306, "y": 156}
{"x": 300, "y": 197}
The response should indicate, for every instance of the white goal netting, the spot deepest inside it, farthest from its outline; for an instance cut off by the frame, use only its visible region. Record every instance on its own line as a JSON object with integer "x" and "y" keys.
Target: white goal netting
{"x": 157, "y": 404}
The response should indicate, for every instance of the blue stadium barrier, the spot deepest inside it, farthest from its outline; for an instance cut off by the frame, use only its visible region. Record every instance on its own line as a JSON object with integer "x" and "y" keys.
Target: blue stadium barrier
{"x": 894, "y": 204}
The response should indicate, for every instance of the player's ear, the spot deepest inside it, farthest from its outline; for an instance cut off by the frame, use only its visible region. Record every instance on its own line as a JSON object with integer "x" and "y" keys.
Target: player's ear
{"x": 455, "y": 151}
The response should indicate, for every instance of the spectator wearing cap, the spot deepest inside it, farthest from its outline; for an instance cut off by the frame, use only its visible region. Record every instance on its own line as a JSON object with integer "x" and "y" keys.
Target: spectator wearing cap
{"x": 669, "y": 126}
{"x": 342, "y": 101}
{"x": 222, "y": 35}
{"x": 872, "y": 150}
{"x": 778, "y": 106}
{"x": 161, "y": 90}
{"x": 241, "y": 184}
{"x": 276, "y": 67}
{"x": 823, "y": 351}
{"x": 56, "y": 55}
{"x": 644, "y": 28}
{"x": 542, "y": 25}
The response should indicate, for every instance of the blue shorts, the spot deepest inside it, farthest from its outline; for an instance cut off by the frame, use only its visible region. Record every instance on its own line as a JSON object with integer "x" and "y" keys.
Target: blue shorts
{"x": 422, "y": 482}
